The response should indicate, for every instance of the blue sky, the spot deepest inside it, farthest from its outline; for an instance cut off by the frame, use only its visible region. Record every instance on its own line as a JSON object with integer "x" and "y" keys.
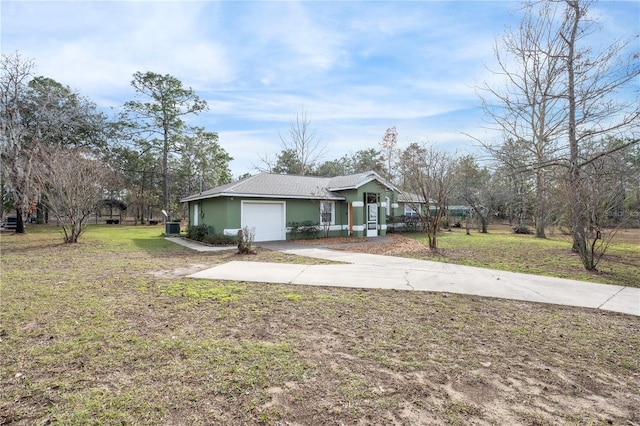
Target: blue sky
{"x": 356, "y": 67}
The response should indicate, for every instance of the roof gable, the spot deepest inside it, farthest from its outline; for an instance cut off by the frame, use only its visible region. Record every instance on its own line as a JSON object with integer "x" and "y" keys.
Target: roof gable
{"x": 355, "y": 181}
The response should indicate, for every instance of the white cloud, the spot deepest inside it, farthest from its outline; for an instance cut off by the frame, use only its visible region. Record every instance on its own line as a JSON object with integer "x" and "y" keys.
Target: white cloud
{"x": 357, "y": 67}
{"x": 99, "y": 52}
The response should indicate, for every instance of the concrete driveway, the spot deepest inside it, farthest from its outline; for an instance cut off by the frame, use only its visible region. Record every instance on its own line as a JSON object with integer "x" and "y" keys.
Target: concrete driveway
{"x": 388, "y": 272}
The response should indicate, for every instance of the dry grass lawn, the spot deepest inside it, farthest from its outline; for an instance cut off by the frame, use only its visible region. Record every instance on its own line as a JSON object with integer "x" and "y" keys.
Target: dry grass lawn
{"x": 108, "y": 331}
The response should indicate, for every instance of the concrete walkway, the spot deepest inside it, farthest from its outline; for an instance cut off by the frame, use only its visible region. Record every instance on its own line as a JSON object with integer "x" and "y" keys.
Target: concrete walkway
{"x": 193, "y": 245}
{"x": 388, "y": 272}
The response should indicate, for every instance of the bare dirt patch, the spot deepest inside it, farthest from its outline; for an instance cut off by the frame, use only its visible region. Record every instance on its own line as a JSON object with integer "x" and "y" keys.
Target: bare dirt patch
{"x": 181, "y": 272}
{"x": 390, "y": 245}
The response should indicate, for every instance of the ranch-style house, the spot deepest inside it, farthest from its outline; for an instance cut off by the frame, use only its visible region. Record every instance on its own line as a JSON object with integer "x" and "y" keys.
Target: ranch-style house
{"x": 353, "y": 205}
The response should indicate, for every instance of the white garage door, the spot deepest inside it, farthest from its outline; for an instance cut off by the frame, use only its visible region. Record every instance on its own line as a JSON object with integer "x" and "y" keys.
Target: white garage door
{"x": 268, "y": 219}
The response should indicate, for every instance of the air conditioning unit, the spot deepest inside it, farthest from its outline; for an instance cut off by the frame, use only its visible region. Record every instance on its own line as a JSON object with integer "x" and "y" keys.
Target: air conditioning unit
{"x": 172, "y": 228}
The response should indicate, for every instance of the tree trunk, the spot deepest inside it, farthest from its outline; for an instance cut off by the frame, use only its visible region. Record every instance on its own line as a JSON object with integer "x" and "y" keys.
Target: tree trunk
{"x": 483, "y": 220}
{"x": 468, "y": 224}
{"x": 522, "y": 221}
{"x": 40, "y": 215}
{"x": 433, "y": 240}
{"x": 165, "y": 167}
{"x": 510, "y": 214}
{"x": 540, "y": 228}
{"x": 431, "y": 228}
{"x": 541, "y": 204}
{"x": 483, "y": 224}
{"x": 76, "y": 230}
{"x": 19, "y": 221}
{"x": 578, "y": 228}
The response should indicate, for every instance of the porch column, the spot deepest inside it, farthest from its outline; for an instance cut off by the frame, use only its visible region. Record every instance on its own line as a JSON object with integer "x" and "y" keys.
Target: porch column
{"x": 358, "y": 219}
{"x": 382, "y": 218}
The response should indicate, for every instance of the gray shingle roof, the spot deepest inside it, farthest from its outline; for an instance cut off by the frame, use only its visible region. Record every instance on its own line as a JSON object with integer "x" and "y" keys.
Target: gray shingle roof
{"x": 355, "y": 181}
{"x": 410, "y": 197}
{"x": 289, "y": 186}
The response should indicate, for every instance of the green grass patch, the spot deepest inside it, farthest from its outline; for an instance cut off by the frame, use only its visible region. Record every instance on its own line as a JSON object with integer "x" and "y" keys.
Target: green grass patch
{"x": 293, "y": 297}
{"x": 503, "y": 250}
{"x": 128, "y": 238}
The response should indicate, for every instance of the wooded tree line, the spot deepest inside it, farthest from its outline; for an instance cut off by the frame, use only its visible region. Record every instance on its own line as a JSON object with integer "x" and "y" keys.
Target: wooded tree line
{"x": 61, "y": 155}
{"x": 505, "y": 188}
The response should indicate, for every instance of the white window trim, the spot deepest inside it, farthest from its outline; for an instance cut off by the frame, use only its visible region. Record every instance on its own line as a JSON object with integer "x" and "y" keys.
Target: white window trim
{"x": 196, "y": 214}
{"x": 333, "y": 213}
{"x": 411, "y": 209}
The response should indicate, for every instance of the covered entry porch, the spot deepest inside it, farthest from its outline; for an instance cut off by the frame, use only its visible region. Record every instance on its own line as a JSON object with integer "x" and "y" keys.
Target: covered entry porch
{"x": 367, "y": 218}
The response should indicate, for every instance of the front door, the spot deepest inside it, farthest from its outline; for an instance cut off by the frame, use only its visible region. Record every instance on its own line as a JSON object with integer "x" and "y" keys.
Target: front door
{"x": 372, "y": 214}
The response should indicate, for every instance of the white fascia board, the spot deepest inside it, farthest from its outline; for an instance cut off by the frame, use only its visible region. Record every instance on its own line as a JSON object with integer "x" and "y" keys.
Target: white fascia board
{"x": 273, "y": 196}
{"x": 341, "y": 188}
{"x": 379, "y": 179}
{"x": 192, "y": 198}
{"x": 199, "y": 197}
{"x": 278, "y": 196}
{"x": 364, "y": 182}
{"x": 345, "y": 188}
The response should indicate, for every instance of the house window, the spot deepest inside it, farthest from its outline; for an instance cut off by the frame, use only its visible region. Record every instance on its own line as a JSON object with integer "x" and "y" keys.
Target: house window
{"x": 371, "y": 197}
{"x": 411, "y": 209}
{"x": 327, "y": 212}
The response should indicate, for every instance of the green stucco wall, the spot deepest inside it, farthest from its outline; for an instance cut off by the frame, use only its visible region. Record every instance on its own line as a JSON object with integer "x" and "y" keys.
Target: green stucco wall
{"x": 221, "y": 213}
{"x": 225, "y": 212}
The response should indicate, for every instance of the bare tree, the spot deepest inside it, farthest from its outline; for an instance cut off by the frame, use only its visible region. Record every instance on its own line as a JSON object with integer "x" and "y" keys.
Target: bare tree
{"x": 593, "y": 81}
{"x": 429, "y": 174}
{"x": 601, "y": 195}
{"x": 17, "y": 161}
{"x": 567, "y": 94}
{"x": 38, "y": 111}
{"x": 388, "y": 144}
{"x": 302, "y": 149}
{"x": 513, "y": 159}
{"x": 474, "y": 186}
{"x": 527, "y": 107}
{"x": 72, "y": 182}
{"x": 326, "y": 207}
